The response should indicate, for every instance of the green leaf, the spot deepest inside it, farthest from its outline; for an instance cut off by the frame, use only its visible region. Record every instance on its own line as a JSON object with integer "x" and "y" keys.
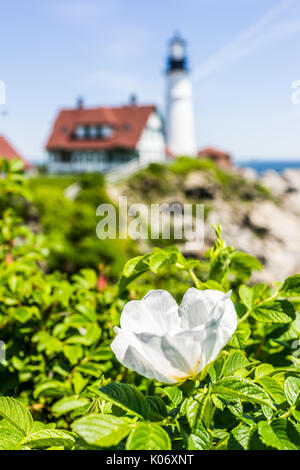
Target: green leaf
{"x": 10, "y": 437}
{"x": 15, "y": 413}
{"x": 263, "y": 369}
{"x": 273, "y": 387}
{"x": 67, "y": 404}
{"x": 127, "y": 397}
{"x": 280, "y": 311}
{"x": 161, "y": 260}
{"x": 241, "y": 388}
{"x": 23, "y": 314}
{"x": 101, "y": 430}
{"x": 246, "y": 294}
{"x": 89, "y": 368}
{"x": 292, "y": 389}
{"x": 199, "y": 439}
{"x": 241, "y": 336}
{"x": 249, "y": 295}
{"x": 73, "y": 353}
{"x": 52, "y": 388}
{"x": 133, "y": 269}
{"x": 296, "y": 415}
{"x": 240, "y": 437}
{"x": 48, "y": 438}
{"x": 215, "y": 369}
{"x": 291, "y": 286}
{"x": 147, "y": 436}
{"x": 157, "y": 408}
{"x": 280, "y": 434}
{"x": 198, "y": 409}
{"x": 242, "y": 264}
{"x": 235, "y": 361}
{"x": 174, "y": 394}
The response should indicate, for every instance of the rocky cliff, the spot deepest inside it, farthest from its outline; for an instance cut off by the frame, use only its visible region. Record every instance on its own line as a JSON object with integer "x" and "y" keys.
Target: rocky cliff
{"x": 259, "y": 215}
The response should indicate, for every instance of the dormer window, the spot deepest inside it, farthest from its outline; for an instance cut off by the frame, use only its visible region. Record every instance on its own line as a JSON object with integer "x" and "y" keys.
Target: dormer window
{"x": 105, "y": 131}
{"x": 93, "y": 132}
{"x": 80, "y": 132}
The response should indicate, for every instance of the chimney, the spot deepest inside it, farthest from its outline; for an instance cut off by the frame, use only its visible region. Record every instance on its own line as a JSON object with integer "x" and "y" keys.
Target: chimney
{"x": 133, "y": 100}
{"x": 79, "y": 102}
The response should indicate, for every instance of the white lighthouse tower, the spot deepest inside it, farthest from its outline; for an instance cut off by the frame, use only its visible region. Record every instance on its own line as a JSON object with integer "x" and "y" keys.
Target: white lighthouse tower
{"x": 180, "y": 124}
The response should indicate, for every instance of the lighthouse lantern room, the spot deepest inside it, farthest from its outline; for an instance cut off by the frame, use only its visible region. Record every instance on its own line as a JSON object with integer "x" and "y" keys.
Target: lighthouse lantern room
{"x": 180, "y": 124}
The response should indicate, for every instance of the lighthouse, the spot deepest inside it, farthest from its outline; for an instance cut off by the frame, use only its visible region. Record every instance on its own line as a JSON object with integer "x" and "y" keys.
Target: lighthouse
{"x": 180, "y": 124}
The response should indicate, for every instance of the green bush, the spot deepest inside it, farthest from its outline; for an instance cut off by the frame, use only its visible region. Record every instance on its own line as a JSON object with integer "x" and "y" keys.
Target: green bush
{"x": 70, "y": 224}
{"x": 62, "y": 388}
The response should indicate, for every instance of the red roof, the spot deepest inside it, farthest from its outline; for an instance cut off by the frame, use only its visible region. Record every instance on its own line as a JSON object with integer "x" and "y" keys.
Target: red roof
{"x": 211, "y": 151}
{"x": 127, "y": 122}
{"x": 8, "y": 151}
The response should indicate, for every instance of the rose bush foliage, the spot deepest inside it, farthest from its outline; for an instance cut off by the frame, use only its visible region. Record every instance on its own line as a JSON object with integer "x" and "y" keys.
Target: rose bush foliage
{"x": 61, "y": 386}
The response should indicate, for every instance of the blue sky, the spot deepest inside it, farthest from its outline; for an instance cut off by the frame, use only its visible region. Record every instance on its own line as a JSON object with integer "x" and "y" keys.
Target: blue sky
{"x": 244, "y": 56}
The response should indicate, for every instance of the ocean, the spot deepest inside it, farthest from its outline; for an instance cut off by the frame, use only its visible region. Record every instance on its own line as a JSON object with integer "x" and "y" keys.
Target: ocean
{"x": 263, "y": 165}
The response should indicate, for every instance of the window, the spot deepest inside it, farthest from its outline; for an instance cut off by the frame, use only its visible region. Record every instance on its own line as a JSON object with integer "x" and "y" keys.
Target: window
{"x": 93, "y": 132}
{"x": 80, "y": 132}
{"x": 105, "y": 131}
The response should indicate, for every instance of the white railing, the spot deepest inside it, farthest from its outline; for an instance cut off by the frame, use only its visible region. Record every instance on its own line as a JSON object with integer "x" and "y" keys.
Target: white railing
{"x": 123, "y": 171}
{"x": 83, "y": 167}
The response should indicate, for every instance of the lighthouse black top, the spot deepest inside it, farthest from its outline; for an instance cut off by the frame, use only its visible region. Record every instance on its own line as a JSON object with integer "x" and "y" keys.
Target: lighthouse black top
{"x": 177, "y": 59}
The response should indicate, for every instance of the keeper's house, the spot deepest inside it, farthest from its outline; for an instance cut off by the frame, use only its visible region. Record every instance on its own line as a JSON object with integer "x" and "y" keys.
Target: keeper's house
{"x": 101, "y": 139}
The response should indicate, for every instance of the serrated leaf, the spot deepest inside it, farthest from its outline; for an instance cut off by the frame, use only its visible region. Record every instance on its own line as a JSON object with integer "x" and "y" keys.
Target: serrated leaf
{"x": 157, "y": 408}
{"x": 101, "y": 430}
{"x": 243, "y": 264}
{"x": 240, "y": 437}
{"x": 279, "y": 311}
{"x": 246, "y": 294}
{"x": 148, "y": 436}
{"x": 273, "y": 387}
{"x": 10, "y": 437}
{"x": 263, "y": 369}
{"x": 134, "y": 268}
{"x": 249, "y": 295}
{"x": 292, "y": 389}
{"x": 174, "y": 394}
{"x": 241, "y": 388}
{"x": 199, "y": 410}
{"x": 15, "y": 413}
{"x": 48, "y": 438}
{"x": 127, "y": 397}
{"x": 159, "y": 261}
{"x": 215, "y": 369}
{"x": 291, "y": 286}
{"x": 240, "y": 336}
{"x": 199, "y": 439}
{"x": 235, "y": 361}
{"x": 280, "y": 434}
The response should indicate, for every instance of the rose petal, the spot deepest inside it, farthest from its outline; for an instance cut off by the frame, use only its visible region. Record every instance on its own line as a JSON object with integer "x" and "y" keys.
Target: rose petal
{"x": 196, "y": 306}
{"x": 156, "y": 313}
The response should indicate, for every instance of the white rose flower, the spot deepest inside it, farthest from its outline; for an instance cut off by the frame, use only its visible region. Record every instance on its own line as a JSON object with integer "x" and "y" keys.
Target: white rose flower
{"x": 170, "y": 344}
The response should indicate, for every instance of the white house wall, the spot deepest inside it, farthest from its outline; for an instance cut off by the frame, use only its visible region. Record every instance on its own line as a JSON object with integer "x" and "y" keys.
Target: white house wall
{"x": 151, "y": 146}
